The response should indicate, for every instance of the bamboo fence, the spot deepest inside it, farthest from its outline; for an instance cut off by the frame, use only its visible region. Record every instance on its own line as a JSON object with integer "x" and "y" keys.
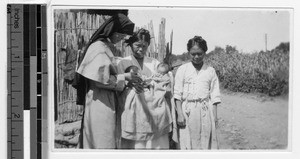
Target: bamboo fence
{"x": 72, "y": 32}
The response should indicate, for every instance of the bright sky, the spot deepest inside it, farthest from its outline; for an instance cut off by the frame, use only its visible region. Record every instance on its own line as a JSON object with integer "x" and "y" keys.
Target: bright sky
{"x": 243, "y": 28}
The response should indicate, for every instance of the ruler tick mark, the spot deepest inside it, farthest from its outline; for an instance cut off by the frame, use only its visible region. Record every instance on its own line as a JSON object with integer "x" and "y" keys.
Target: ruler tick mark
{"x": 16, "y": 150}
{"x": 16, "y": 32}
{"x": 16, "y": 91}
{"x": 16, "y": 120}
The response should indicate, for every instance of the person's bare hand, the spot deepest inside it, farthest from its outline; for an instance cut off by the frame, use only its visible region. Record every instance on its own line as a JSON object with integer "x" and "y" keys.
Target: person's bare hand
{"x": 135, "y": 82}
{"x": 216, "y": 122}
{"x": 138, "y": 87}
{"x": 181, "y": 122}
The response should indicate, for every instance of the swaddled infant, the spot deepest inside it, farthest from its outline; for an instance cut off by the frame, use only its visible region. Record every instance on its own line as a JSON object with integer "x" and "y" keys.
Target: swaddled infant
{"x": 161, "y": 75}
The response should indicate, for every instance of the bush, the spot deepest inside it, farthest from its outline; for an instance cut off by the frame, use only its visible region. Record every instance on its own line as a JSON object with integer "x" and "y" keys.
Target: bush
{"x": 264, "y": 72}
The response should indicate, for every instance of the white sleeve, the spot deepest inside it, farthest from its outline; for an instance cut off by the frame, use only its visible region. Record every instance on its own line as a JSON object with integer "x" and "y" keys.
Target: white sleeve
{"x": 178, "y": 86}
{"x": 214, "y": 88}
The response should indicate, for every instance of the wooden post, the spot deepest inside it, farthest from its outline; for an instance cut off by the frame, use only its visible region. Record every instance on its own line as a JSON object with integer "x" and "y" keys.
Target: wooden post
{"x": 161, "y": 40}
{"x": 166, "y": 59}
{"x": 169, "y": 50}
{"x": 171, "y": 42}
{"x": 152, "y": 47}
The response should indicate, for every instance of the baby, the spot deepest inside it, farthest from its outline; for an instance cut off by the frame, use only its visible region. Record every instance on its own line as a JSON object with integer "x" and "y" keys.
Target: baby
{"x": 161, "y": 81}
{"x": 162, "y": 75}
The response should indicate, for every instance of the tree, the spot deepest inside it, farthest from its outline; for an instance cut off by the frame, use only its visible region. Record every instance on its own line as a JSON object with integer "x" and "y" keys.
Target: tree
{"x": 284, "y": 46}
{"x": 218, "y": 49}
{"x": 230, "y": 49}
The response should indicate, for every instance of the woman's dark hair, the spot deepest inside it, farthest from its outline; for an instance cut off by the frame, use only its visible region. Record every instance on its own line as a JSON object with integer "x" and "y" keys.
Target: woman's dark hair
{"x": 199, "y": 41}
{"x": 141, "y": 34}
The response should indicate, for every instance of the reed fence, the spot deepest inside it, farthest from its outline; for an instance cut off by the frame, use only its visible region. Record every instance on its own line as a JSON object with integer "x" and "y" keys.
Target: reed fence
{"x": 72, "y": 32}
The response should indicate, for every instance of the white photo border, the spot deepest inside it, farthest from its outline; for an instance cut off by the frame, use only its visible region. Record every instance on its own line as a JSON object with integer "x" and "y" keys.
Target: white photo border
{"x": 53, "y": 154}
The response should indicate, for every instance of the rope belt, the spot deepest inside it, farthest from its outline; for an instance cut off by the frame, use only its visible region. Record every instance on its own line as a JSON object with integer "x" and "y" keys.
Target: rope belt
{"x": 197, "y": 100}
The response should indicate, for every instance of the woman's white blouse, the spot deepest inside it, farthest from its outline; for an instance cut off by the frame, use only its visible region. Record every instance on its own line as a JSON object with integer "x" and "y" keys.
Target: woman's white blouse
{"x": 193, "y": 86}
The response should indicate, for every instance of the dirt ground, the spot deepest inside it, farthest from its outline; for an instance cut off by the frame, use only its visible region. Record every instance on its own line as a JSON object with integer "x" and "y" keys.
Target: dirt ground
{"x": 252, "y": 121}
{"x": 246, "y": 121}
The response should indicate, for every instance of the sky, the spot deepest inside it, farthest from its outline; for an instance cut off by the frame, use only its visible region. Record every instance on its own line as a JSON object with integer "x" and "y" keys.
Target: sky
{"x": 243, "y": 28}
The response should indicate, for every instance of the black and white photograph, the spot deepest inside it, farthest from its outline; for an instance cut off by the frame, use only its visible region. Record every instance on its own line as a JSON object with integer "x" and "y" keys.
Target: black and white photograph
{"x": 149, "y": 79}
{"x": 171, "y": 78}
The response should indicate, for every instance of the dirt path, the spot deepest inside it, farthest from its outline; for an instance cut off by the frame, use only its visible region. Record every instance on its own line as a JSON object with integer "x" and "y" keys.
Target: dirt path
{"x": 248, "y": 121}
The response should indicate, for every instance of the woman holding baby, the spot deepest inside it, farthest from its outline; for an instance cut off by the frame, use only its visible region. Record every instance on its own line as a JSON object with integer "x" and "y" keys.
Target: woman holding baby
{"x": 146, "y": 119}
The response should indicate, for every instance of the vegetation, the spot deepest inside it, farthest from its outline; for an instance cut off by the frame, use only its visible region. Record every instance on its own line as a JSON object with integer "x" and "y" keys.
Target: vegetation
{"x": 263, "y": 72}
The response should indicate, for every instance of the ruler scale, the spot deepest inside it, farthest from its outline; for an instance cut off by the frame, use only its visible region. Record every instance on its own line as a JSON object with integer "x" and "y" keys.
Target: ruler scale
{"x": 8, "y": 80}
{"x": 15, "y": 82}
{"x": 27, "y": 81}
{"x": 44, "y": 69}
{"x": 34, "y": 65}
{"x": 39, "y": 80}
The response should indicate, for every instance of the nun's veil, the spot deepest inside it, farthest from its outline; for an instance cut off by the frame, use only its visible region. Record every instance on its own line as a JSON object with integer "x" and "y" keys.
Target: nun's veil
{"x": 119, "y": 23}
